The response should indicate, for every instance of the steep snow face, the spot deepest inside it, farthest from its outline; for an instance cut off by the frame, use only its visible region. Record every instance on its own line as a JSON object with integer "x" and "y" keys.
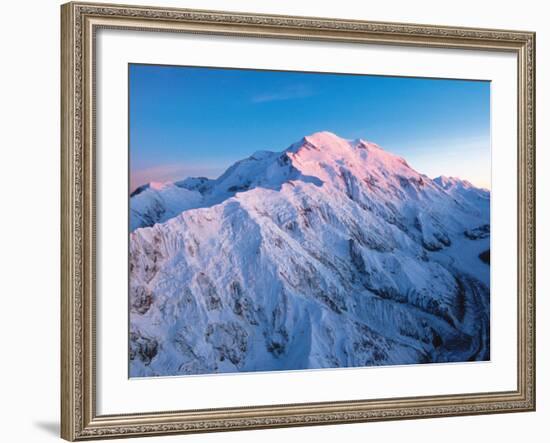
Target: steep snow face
{"x": 332, "y": 253}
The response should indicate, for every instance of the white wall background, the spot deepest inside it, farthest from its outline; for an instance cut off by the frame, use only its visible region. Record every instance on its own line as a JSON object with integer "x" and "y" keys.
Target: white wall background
{"x": 29, "y": 221}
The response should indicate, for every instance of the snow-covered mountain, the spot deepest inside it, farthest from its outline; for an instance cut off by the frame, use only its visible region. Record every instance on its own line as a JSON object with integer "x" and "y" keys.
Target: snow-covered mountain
{"x": 331, "y": 253}
{"x": 463, "y": 189}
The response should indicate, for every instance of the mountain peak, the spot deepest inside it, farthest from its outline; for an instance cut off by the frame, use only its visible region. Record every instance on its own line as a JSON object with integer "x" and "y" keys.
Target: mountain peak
{"x": 322, "y": 159}
{"x": 319, "y": 141}
{"x": 323, "y": 138}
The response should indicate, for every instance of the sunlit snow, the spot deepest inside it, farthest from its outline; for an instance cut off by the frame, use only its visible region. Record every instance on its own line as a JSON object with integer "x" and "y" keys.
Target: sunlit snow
{"x": 331, "y": 253}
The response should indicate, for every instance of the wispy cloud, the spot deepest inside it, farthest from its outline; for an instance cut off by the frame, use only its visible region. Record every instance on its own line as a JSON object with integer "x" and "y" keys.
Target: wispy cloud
{"x": 290, "y": 92}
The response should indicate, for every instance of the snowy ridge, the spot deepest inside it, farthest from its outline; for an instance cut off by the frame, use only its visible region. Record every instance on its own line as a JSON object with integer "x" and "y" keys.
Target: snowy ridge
{"x": 331, "y": 253}
{"x": 463, "y": 189}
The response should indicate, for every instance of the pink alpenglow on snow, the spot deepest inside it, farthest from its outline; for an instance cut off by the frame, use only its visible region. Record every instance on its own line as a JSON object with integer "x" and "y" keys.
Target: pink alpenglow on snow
{"x": 331, "y": 253}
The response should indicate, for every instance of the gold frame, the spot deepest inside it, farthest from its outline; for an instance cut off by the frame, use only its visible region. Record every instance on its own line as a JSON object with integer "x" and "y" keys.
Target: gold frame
{"x": 79, "y": 22}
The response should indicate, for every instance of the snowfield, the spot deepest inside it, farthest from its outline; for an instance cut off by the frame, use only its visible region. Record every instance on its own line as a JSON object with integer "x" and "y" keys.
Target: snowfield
{"x": 332, "y": 253}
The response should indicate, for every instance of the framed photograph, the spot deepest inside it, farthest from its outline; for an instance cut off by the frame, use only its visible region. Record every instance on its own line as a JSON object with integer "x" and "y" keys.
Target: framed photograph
{"x": 283, "y": 221}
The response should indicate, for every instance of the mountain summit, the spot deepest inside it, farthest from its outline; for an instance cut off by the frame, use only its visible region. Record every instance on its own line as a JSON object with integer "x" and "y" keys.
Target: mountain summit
{"x": 320, "y": 158}
{"x": 330, "y": 253}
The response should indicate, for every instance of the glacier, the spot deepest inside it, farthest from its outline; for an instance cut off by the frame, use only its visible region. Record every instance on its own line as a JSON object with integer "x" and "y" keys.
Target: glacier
{"x": 332, "y": 253}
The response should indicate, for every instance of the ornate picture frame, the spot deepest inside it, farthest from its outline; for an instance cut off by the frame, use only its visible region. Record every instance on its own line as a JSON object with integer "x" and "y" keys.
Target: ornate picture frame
{"x": 80, "y": 22}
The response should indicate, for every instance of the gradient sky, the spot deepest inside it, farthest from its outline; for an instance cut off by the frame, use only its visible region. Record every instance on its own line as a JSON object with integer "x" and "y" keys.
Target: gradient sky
{"x": 187, "y": 121}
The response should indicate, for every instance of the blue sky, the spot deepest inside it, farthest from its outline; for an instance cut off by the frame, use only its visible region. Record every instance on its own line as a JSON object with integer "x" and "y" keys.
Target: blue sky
{"x": 187, "y": 121}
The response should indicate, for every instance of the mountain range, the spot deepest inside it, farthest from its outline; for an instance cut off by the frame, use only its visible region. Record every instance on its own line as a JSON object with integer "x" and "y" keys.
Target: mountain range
{"x": 331, "y": 253}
